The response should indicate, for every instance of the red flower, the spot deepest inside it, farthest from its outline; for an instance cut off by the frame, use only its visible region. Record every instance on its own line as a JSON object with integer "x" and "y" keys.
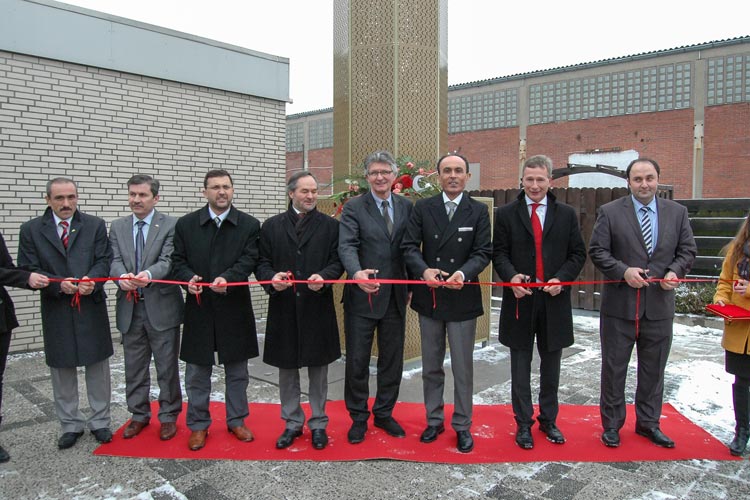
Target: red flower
{"x": 405, "y": 182}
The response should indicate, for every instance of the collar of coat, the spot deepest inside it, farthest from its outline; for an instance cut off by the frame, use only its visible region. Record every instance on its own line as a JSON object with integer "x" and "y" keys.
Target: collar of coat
{"x": 233, "y": 216}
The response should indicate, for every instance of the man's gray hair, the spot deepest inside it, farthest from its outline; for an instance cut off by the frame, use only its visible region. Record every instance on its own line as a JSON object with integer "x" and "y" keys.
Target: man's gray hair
{"x": 291, "y": 186}
{"x": 59, "y": 180}
{"x": 381, "y": 157}
{"x": 539, "y": 161}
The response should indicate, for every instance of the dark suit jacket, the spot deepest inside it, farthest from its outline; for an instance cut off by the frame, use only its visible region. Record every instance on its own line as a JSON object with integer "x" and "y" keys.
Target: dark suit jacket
{"x": 10, "y": 275}
{"x": 364, "y": 243}
{"x": 164, "y": 303}
{"x": 71, "y": 337}
{"x": 617, "y": 243}
{"x": 563, "y": 255}
{"x": 301, "y": 329}
{"x": 431, "y": 241}
{"x": 222, "y": 323}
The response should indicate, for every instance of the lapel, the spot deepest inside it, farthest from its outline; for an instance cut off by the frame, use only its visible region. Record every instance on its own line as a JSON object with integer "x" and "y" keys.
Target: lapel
{"x": 153, "y": 232}
{"x": 76, "y": 224}
{"x": 462, "y": 217}
{"x": 523, "y": 214}
{"x": 549, "y": 217}
{"x": 635, "y": 225}
{"x": 373, "y": 209}
{"x": 125, "y": 235}
{"x": 311, "y": 229}
{"x": 661, "y": 215}
{"x": 399, "y": 212}
{"x": 49, "y": 231}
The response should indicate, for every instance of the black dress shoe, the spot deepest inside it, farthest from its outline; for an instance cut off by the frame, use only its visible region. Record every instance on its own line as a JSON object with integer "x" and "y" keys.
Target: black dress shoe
{"x": 431, "y": 433}
{"x": 611, "y": 438}
{"x": 553, "y": 433}
{"x": 656, "y": 436}
{"x": 524, "y": 438}
{"x": 357, "y": 432}
{"x": 390, "y": 426}
{"x": 68, "y": 439}
{"x": 319, "y": 439}
{"x": 736, "y": 447}
{"x": 4, "y": 456}
{"x": 103, "y": 435}
{"x": 465, "y": 442}
{"x": 287, "y": 438}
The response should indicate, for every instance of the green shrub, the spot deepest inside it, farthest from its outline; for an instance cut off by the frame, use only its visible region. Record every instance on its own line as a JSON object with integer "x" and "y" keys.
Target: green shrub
{"x": 691, "y": 298}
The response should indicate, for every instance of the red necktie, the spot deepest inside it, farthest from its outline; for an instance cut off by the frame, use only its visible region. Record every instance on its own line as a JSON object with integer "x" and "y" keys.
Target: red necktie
{"x": 64, "y": 235}
{"x": 536, "y": 226}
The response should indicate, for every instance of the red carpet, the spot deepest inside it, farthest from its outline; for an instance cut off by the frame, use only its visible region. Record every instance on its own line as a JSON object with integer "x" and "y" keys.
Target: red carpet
{"x": 493, "y": 432}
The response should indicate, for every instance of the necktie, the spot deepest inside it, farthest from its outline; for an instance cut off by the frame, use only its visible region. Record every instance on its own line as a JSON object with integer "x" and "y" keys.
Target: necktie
{"x": 536, "y": 226}
{"x": 217, "y": 220}
{"x": 387, "y": 216}
{"x": 64, "y": 235}
{"x": 451, "y": 208}
{"x": 646, "y": 230}
{"x": 139, "y": 244}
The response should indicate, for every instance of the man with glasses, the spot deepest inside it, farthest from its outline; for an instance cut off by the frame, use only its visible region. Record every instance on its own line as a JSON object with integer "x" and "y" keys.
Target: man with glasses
{"x": 370, "y": 233}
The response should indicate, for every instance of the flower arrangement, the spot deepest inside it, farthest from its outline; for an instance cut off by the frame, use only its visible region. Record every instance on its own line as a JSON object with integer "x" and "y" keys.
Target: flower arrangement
{"x": 413, "y": 179}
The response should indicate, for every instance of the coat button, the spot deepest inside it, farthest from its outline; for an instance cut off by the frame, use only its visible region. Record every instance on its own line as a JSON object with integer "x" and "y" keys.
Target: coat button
{"x": 438, "y": 259}
{"x": 436, "y": 236}
{"x": 299, "y": 252}
{"x": 451, "y": 260}
{"x": 297, "y": 294}
{"x": 460, "y": 239}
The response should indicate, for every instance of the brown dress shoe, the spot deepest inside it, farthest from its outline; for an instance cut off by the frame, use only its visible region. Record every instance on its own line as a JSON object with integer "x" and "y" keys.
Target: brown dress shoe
{"x": 197, "y": 440}
{"x": 168, "y": 431}
{"x": 242, "y": 433}
{"x": 133, "y": 428}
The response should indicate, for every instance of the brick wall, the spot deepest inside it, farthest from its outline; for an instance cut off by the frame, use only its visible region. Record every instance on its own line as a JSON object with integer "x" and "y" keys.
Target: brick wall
{"x": 100, "y": 127}
{"x": 496, "y": 150}
{"x": 726, "y": 162}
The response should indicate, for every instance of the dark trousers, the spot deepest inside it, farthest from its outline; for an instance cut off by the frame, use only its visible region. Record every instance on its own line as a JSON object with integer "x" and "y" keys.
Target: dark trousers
{"x": 4, "y": 348}
{"x": 549, "y": 380}
{"x": 652, "y": 346}
{"x": 359, "y": 332}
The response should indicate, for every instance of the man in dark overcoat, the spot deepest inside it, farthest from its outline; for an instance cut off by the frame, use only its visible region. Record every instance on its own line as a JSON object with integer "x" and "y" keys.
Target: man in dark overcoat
{"x": 448, "y": 238}
{"x": 66, "y": 243}
{"x": 217, "y": 244}
{"x": 555, "y": 253}
{"x": 301, "y": 330}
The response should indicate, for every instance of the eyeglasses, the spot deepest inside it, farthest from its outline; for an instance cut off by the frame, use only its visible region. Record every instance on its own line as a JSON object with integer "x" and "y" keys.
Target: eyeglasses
{"x": 382, "y": 173}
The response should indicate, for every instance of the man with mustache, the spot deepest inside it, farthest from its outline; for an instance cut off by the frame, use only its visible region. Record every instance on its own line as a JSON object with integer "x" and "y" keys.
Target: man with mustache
{"x": 448, "y": 239}
{"x": 66, "y": 243}
{"x": 148, "y": 314}
{"x": 217, "y": 244}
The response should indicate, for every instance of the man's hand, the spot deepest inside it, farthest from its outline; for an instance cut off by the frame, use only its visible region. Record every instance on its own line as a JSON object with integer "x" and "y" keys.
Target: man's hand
{"x": 456, "y": 281}
{"x": 37, "y": 280}
{"x": 636, "y": 277}
{"x": 193, "y": 289}
{"x": 315, "y": 286}
{"x": 280, "y": 281}
{"x": 670, "y": 281}
{"x": 553, "y": 289}
{"x": 434, "y": 277}
{"x": 126, "y": 282}
{"x": 142, "y": 279}
{"x": 219, "y": 285}
{"x": 365, "y": 274}
{"x": 519, "y": 291}
{"x": 69, "y": 287}
{"x": 86, "y": 287}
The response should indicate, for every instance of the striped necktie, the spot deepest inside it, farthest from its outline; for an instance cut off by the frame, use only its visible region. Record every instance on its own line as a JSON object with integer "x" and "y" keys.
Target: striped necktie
{"x": 648, "y": 238}
{"x": 64, "y": 235}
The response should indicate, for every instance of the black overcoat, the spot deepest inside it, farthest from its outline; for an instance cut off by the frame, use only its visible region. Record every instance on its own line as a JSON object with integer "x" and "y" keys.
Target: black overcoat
{"x": 10, "y": 275}
{"x": 301, "y": 328}
{"x": 563, "y": 255}
{"x": 222, "y": 323}
{"x": 73, "y": 336}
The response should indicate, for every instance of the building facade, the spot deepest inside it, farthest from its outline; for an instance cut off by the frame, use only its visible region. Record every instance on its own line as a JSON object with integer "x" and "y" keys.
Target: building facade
{"x": 687, "y": 107}
{"x": 99, "y": 98}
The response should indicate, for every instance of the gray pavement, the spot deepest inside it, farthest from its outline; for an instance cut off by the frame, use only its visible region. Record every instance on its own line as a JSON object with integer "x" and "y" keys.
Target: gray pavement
{"x": 39, "y": 470}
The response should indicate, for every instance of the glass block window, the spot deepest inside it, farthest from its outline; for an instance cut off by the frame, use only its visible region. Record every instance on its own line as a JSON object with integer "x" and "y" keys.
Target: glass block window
{"x": 495, "y": 109}
{"x": 535, "y": 104}
{"x": 683, "y": 86}
{"x": 603, "y": 92}
{"x": 295, "y": 133}
{"x": 728, "y": 79}
{"x": 588, "y": 109}
{"x": 321, "y": 133}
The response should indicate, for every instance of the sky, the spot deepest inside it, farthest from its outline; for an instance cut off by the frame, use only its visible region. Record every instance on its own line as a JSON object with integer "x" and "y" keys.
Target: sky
{"x": 486, "y": 38}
